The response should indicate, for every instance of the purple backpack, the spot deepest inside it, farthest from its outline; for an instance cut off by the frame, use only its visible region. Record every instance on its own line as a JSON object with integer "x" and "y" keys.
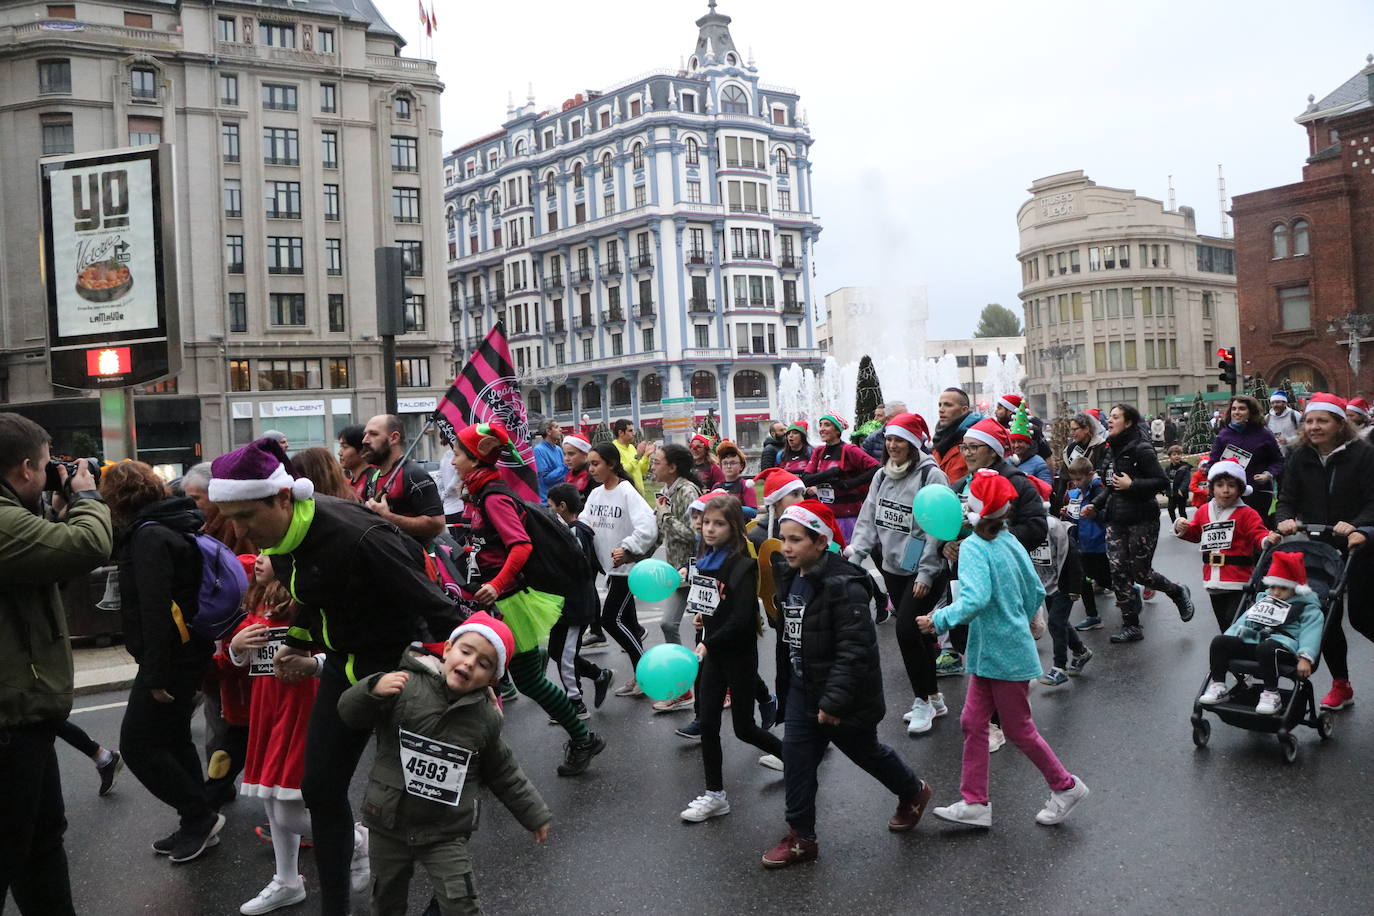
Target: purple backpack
{"x": 223, "y": 583}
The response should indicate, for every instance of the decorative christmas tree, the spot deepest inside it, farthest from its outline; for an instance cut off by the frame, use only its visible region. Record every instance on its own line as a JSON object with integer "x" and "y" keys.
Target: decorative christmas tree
{"x": 868, "y": 397}
{"x": 1261, "y": 391}
{"x": 1020, "y": 423}
{"x": 602, "y": 433}
{"x": 1059, "y": 437}
{"x": 708, "y": 426}
{"x": 1197, "y": 431}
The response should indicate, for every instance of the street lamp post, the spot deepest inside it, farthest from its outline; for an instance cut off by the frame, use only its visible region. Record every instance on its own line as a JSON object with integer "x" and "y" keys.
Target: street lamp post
{"x": 1057, "y": 354}
{"x": 1356, "y": 326}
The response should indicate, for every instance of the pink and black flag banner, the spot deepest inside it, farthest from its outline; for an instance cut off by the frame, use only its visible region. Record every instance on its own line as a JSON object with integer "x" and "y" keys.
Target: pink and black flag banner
{"x": 486, "y": 391}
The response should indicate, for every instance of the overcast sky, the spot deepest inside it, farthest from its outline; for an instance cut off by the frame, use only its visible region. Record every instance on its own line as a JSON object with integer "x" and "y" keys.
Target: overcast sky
{"x": 930, "y": 120}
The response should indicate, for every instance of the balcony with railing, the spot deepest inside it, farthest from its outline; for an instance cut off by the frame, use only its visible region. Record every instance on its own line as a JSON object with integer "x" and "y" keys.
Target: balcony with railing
{"x": 581, "y": 276}
{"x": 614, "y": 315}
{"x": 642, "y": 263}
{"x": 584, "y": 321}
{"x": 473, "y": 303}
{"x": 455, "y": 308}
{"x": 612, "y": 269}
{"x": 554, "y": 282}
{"x": 698, "y": 306}
{"x": 645, "y": 309}
{"x": 745, "y": 164}
{"x": 698, "y": 257}
{"x": 793, "y": 307}
{"x": 559, "y": 327}
{"x": 789, "y": 262}
{"x": 498, "y": 294}
{"x": 748, "y": 208}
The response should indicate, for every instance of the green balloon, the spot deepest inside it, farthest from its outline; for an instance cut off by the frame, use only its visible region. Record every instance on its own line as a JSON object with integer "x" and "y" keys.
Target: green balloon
{"x": 938, "y": 511}
{"x": 653, "y": 580}
{"x": 667, "y": 671}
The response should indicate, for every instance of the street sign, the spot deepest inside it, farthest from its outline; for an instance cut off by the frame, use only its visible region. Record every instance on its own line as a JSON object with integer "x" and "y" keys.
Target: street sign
{"x": 109, "y": 266}
{"x": 678, "y": 416}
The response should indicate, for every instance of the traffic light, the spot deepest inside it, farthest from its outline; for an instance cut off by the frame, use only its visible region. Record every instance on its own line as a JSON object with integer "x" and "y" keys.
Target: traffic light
{"x": 1227, "y": 364}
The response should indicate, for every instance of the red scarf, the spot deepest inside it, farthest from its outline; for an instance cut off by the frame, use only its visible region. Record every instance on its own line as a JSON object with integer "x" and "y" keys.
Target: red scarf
{"x": 478, "y": 478}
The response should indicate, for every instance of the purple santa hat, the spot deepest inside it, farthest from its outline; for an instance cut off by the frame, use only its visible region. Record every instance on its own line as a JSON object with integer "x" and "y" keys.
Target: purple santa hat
{"x": 256, "y": 471}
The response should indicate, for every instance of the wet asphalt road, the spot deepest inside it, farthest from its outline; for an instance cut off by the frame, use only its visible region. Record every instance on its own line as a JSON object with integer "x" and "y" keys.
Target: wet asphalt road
{"x": 1167, "y": 828}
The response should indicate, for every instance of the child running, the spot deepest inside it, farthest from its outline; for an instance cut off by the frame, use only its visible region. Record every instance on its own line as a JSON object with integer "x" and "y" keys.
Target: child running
{"x": 1231, "y": 534}
{"x": 1091, "y": 538}
{"x": 1056, "y": 563}
{"x": 1283, "y": 627}
{"x": 1180, "y": 473}
{"x": 580, "y": 608}
{"x": 278, "y": 719}
{"x": 438, "y": 744}
{"x": 723, "y": 595}
{"x": 999, "y": 594}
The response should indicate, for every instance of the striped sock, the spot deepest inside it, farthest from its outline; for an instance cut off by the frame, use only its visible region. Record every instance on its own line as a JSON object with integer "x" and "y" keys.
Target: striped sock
{"x": 527, "y": 670}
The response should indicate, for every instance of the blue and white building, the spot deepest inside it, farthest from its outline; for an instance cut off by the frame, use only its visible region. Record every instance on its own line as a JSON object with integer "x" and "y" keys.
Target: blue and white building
{"x": 647, "y": 242}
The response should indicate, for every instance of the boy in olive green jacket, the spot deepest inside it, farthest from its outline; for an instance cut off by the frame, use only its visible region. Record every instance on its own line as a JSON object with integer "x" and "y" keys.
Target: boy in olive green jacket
{"x": 438, "y": 740}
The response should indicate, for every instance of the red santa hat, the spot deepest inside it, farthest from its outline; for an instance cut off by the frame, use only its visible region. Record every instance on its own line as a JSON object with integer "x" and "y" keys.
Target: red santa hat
{"x": 990, "y": 495}
{"x": 493, "y": 631}
{"x": 1009, "y": 402}
{"x": 1095, "y": 414}
{"x": 1359, "y": 405}
{"x": 699, "y": 504}
{"x": 1328, "y": 402}
{"x": 1286, "y": 569}
{"x": 1041, "y": 487}
{"x": 777, "y": 483}
{"x": 577, "y": 442}
{"x": 990, "y": 433}
{"x": 1231, "y": 469}
{"x": 256, "y": 471}
{"x": 816, "y": 517}
{"x": 911, "y": 427}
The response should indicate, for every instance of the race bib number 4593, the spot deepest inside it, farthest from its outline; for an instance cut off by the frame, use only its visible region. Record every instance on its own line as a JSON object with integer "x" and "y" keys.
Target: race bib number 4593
{"x": 434, "y": 770}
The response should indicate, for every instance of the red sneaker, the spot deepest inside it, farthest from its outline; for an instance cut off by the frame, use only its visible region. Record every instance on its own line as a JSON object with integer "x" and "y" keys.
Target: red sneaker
{"x": 1341, "y": 695}
{"x": 791, "y": 850}
{"x": 909, "y": 810}
{"x": 727, "y": 699}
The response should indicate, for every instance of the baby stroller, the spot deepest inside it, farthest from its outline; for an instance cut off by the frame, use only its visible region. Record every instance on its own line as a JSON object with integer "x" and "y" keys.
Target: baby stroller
{"x": 1327, "y": 570}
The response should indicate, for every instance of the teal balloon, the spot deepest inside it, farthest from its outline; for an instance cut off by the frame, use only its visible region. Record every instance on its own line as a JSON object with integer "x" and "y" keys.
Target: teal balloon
{"x": 666, "y": 672}
{"x": 653, "y": 580}
{"x": 938, "y": 511}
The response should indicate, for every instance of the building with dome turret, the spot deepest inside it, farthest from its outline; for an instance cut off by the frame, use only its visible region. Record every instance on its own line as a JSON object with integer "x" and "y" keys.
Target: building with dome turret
{"x": 649, "y": 241}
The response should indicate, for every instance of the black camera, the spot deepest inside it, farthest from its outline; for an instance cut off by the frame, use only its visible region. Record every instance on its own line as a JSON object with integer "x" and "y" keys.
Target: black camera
{"x": 55, "y": 482}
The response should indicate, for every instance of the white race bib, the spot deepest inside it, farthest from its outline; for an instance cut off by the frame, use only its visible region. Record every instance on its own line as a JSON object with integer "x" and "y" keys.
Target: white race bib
{"x": 1268, "y": 611}
{"x": 260, "y": 662}
{"x": 434, "y": 770}
{"x": 825, "y": 494}
{"x": 703, "y": 596}
{"x": 1239, "y": 455}
{"x": 1218, "y": 535}
{"x": 892, "y": 516}
{"x": 1040, "y": 556}
{"x": 1075, "y": 507}
{"x": 792, "y": 621}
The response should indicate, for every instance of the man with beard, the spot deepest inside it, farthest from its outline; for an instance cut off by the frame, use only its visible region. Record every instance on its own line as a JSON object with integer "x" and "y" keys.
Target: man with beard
{"x": 397, "y": 490}
{"x": 955, "y": 417}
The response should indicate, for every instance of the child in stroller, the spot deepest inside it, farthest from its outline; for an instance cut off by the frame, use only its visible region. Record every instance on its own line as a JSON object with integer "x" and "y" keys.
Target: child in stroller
{"x": 1283, "y": 627}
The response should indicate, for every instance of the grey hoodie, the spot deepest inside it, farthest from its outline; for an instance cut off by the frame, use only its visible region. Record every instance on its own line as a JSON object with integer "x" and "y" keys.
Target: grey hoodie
{"x": 885, "y": 522}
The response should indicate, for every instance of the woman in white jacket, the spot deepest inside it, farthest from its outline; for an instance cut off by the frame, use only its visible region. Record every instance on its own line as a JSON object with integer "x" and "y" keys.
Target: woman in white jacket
{"x": 626, "y": 531}
{"x": 913, "y": 569}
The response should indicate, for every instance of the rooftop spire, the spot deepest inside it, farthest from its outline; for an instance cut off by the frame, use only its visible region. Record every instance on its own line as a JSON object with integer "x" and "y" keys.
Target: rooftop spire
{"x": 713, "y": 36}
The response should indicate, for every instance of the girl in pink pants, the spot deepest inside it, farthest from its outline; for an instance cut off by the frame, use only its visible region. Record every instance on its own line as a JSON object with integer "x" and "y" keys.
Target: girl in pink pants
{"x": 1001, "y": 656}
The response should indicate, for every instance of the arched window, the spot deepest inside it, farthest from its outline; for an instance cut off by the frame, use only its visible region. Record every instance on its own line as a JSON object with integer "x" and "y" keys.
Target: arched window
{"x": 693, "y": 152}
{"x": 549, "y": 181}
{"x": 562, "y": 399}
{"x": 750, "y": 384}
{"x": 638, "y": 155}
{"x": 520, "y": 147}
{"x": 577, "y": 175}
{"x": 620, "y": 393}
{"x": 451, "y": 219}
{"x": 782, "y": 161}
{"x": 703, "y": 384}
{"x": 534, "y": 402}
{"x": 651, "y": 389}
{"x": 495, "y": 203}
{"x": 472, "y": 213}
{"x": 1300, "y": 237}
{"x": 692, "y": 64}
{"x": 1280, "y": 237}
{"x": 591, "y": 396}
{"x": 606, "y": 165}
{"x": 734, "y": 101}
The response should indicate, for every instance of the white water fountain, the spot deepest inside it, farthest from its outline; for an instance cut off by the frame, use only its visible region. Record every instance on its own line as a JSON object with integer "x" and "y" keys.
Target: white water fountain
{"x": 1002, "y": 375}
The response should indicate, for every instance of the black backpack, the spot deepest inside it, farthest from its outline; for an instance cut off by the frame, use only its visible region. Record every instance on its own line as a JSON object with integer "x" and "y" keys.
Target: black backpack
{"x": 556, "y": 564}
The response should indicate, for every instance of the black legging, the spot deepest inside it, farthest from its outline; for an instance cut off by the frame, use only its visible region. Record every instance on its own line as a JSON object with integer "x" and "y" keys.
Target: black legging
{"x": 74, "y": 735}
{"x": 1267, "y": 653}
{"x": 155, "y": 739}
{"x": 1096, "y": 571}
{"x": 620, "y": 618}
{"x": 1224, "y": 607}
{"x": 918, "y": 649}
{"x": 737, "y": 671}
{"x": 1359, "y": 603}
{"x": 332, "y": 750}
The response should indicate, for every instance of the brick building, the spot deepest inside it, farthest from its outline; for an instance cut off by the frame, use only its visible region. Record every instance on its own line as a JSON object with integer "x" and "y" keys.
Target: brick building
{"x": 1305, "y": 252}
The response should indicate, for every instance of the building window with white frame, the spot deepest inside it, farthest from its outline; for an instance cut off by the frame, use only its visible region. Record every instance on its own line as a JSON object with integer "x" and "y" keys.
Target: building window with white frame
{"x": 693, "y": 152}
{"x": 1295, "y": 307}
{"x": 325, "y": 43}
{"x": 333, "y": 257}
{"x": 226, "y": 29}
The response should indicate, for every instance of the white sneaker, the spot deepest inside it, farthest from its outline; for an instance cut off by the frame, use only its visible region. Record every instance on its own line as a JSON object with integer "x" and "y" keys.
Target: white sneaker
{"x": 995, "y": 739}
{"x": 922, "y": 717}
{"x": 961, "y": 812}
{"x": 707, "y": 806}
{"x": 1061, "y": 803}
{"x": 937, "y": 704}
{"x": 629, "y": 689}
{"x": 1214, "y": 693}
{"x": 359, "y": 871}
{"x": 1269, "y": 703}
{"x": 772, "y": 761}
{"x": 274, "y": 896}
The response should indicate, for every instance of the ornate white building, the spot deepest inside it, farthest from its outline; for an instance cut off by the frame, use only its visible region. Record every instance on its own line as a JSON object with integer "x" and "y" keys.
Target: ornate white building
{"x": 650, "y": 241}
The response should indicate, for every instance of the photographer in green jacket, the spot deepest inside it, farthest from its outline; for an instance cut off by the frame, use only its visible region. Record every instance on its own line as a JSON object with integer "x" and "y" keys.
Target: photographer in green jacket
{"x": 38, "y": 549}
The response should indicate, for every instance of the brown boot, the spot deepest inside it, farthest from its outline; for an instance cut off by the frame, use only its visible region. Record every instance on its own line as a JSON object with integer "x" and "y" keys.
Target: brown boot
{"x": 791, "y": 850}
{"x": 909, "y": 810}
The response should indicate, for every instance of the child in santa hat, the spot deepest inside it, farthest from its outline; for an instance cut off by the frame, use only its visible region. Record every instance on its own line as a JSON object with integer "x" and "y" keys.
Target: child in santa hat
{"x": 1282, "y": 628}
{"x": 1231, "y": 534}
{"x": 438, "y": 744}
{"x": 830, "y": 685}
{"x": 1357, "y": 412}
{"x": 999, "y": 594}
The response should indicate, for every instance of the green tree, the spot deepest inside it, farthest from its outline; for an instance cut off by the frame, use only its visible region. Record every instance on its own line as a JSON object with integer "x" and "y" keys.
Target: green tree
{"x": 602, "y": 433}
{"x": 997, "y": 321}
{"x": 1197, "y": 431}
{"x": 709, "y": 427}
{"x": 868, "y": 397}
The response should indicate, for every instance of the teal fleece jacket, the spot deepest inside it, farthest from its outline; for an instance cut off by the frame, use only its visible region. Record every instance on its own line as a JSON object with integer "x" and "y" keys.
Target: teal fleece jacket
{"x": 1302, "y": 635}
{"x": 999, "y": 593}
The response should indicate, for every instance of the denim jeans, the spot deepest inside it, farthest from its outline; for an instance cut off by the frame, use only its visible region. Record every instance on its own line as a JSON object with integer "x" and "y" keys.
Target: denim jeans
{"x": 1064, "y": 636}
{"x": 674, "y": 606}
{"x": 805, "y": 740}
